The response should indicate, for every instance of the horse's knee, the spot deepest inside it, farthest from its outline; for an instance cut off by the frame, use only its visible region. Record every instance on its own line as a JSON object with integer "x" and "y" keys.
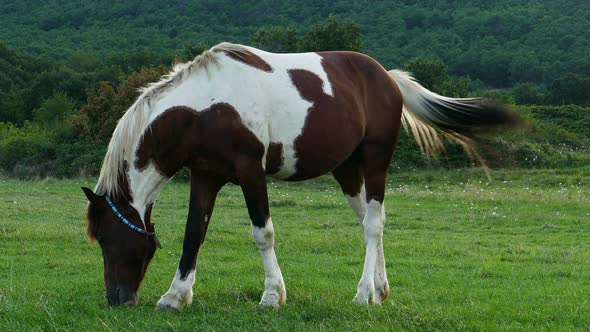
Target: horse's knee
{"x": 264, "y": 236}
{"x": 374, "y": 220}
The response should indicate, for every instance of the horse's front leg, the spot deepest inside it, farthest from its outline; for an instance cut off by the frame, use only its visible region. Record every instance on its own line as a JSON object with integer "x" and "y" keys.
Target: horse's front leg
{"x": 252, "y": 179}
{"x": 204, "y": 190}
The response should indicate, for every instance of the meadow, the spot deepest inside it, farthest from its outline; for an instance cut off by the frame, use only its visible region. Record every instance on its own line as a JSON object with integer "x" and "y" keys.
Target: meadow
{"x": 463, "y": 253}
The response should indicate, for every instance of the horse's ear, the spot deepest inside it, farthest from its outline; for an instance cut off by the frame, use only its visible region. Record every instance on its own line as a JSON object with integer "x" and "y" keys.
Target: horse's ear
{"x": 92, "y": 197}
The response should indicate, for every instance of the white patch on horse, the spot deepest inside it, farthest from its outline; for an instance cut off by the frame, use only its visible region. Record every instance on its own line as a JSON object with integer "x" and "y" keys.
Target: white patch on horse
{"x": 373, "y": 228}
{"x": 381, "y": 283}
{"x": 358, "y": 203}
{"x": 145, "y": 186}
{"x": 180, "y": 292}
{"x": 274, "y": 287}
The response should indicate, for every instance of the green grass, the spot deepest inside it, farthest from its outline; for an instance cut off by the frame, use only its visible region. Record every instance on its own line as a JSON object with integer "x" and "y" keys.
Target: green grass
{"x": 462, "y": 254}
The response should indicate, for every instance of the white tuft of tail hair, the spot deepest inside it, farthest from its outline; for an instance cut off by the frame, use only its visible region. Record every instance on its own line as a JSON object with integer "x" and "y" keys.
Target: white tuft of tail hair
{"x": 430, "y": 116}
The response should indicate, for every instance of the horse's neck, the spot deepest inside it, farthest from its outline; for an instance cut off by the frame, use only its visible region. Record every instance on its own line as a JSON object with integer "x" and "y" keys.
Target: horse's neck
{"x": 145, "y": 186}
{"x": 146, "y": 183}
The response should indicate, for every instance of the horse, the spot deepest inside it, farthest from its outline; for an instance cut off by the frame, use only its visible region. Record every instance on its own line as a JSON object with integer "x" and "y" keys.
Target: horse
{"x": 237, "y": 114}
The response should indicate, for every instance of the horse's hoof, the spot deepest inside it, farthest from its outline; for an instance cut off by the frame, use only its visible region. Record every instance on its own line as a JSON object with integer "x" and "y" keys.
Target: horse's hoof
{"x": 166, "y": 308}
{"x": 382, "y": 293}
{"x": 273, "y": 299}
{"x": 364, "y": 296}
{"x": 361, "y": 300}
{"x": 168, "y": 304}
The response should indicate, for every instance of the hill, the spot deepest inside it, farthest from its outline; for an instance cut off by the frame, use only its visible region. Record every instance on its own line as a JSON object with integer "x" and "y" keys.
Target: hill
{"x": 498, "y": 42}
{"x": 69, "y": 69}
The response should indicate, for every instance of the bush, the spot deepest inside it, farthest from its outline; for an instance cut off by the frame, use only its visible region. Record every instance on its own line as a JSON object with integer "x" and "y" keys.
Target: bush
{"x": 30, "y": 147}
{"x": 98, "y": 118}
{"x": 35, "y": 151}
{"x": 54, "y": 111}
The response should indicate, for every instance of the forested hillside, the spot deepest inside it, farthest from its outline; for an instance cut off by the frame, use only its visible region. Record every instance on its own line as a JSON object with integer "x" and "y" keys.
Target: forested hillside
{"x": 499, "y": 42}
{"x": 69, "y": 69}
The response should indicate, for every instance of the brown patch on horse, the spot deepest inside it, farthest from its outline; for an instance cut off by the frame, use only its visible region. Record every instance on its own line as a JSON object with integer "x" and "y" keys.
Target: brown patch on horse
{"x": 250, "y": 59}
{"x": 274, "y": 158}
{"x": 334, "y": 126}
{"x": 349, "y": 175}
{"x": 207, "y": 142}
{"x": 158, "y": 143}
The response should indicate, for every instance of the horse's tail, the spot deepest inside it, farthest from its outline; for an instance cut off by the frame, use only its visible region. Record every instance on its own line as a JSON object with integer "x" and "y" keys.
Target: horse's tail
{"x": 428, "y": 116}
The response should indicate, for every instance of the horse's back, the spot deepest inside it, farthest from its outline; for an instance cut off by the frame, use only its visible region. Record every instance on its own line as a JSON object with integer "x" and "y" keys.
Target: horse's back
{"x": 310, "y": 111}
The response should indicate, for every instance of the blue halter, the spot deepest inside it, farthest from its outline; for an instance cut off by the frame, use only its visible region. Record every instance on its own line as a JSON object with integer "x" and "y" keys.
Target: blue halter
{"x": 130, "y": 225}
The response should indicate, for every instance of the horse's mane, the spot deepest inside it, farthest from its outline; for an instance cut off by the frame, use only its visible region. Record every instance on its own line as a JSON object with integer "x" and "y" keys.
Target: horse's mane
{"x": 134, "y": 122}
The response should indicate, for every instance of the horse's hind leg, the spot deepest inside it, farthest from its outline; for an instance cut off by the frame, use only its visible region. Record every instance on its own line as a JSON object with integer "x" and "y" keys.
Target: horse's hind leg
{"x": 350, "y": 177}
{"x": 373, "y": 287}
{"x": 252, "y": 180}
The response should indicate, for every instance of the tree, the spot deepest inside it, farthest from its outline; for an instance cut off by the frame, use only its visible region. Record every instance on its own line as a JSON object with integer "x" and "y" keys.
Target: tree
{"x": 277, "y": 39}
{"x": 192, "y": 50}
{"x": 334, "y": 35}
{"x": 528, "y": 94}
{"x": 98, "y": 118}
{"x": 430, "y": 73}
{"x": 54, "y": 111}
{"x": 571, "y": 89}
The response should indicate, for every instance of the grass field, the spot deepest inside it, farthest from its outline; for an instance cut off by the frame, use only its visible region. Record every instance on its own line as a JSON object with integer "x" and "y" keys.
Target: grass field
{"x": 462, "y": 254}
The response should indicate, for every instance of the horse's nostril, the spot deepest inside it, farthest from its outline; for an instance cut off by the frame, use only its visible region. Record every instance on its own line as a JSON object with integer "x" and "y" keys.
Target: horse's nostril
{"x": 125, "y": 296}
{"x": 121, "y": 295}
{"x": 132, "y": 301}
{"x": 112, "y": 301}
{"x": 113, "y": 296}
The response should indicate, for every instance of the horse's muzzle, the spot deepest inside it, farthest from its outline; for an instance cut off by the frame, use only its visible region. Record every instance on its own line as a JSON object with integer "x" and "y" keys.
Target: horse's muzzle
{"x": 121, "y": 295}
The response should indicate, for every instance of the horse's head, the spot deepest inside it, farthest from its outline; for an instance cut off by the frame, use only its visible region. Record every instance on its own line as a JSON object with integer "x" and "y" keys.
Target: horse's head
{"x": 126, "y": 250}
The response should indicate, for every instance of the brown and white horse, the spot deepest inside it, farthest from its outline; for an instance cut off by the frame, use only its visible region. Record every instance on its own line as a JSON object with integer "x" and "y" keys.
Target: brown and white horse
{"x": 238, "y": 114}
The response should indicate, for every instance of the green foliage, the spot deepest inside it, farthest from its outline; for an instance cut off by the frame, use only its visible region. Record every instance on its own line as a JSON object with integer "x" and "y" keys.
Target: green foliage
{"x": 193, "y": 50}
{"x": 572, "y": 88}
{"x": 277, "y": 39}
{"x": 98, "y": 118}
{"x": 332, "y": 36}
{"x": 500, "y": 43}
{"x": 78, "y": 65}
{"x": 430, "y": 73}
{"x": 557, "y": 137}
{"x": 54, "y": 112}
{"x": 26, "y": 82}
{"x": 528, "y": 94}
{"x": 27, "y": 146}
{"x": 34, "y": 150}
{"x": 433, "y": 75}
{"x": 19, "y": 78}
{"x": 570, "y": 118}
